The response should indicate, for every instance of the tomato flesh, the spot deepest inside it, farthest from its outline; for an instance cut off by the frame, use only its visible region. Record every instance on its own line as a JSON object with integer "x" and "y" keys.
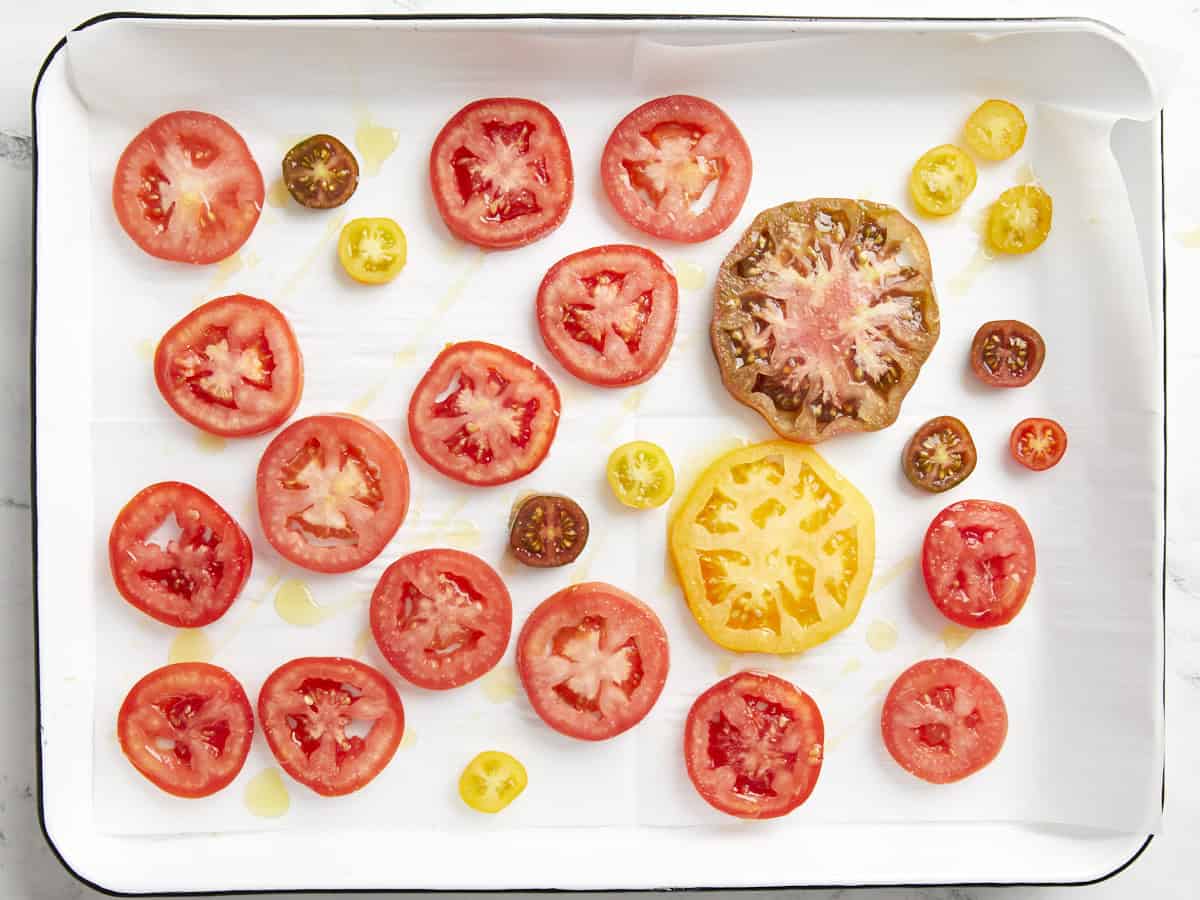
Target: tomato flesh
{"x": 940, "y": 455}
{"x": 941, "y": 180}
{"x": 547, "y": 531}
{"x": 1038, "y": 444}
{"x": 320, "y": 172}
{"x": 996, "y": 130}
{"x": 1020, "y": 219}
{"x": 372, "y": 251}
{"x": 640, "y": 475}
{"x": 1007, "y": 353}
{"x": 491, "y": 781}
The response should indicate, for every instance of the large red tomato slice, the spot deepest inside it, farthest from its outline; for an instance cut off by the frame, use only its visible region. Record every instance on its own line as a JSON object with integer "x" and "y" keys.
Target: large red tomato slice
{"x": 442, "y": 618}
{"x": 677, "y": 168}
{"x": 187, "y": 189}
{"x": 753, "y": 745}
{"x": 608, "y": 314}
{"x": 483, "y": 414}
{"x": 192, "y": 580}
{"x": 332, "y": 491}
{"x": 943, "y": 720}
{"x": 501, "y": 172}
{"x": 231, "y": 367}
{"x": 332, "y": 723}
{"x": 979, "y": 563}
{"x": 593, "y": 660}
{"x": 187, "y": 727}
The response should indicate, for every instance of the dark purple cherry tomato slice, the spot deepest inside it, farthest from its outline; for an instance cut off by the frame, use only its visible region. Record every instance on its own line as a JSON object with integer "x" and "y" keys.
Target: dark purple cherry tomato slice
{"x": 1007, "y": 353}
{"x": 547, "y": 531}
{"x": 320, "y": 172}
{"x": 940, "y": 455}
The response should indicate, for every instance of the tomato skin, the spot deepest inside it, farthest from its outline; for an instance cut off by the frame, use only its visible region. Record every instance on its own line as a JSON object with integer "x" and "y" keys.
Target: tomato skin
{"x": 1038, "y": 444}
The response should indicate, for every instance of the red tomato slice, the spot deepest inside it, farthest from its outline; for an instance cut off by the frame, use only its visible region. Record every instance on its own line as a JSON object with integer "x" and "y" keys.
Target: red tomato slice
{"x": 231, "y": 367}
{"x": 1038, "y": 444}
{"x": 187, "y": 727}
{"x": 979, "y": 563}
{"x": 593, "y": 660}
{"x": 332, "y": 491}
{"x": 943, "y": 720}
{"x": 501, "y": 172}
{"x": 187, "y": 189}
{"x": 754, "y": 745}
{"x": 442, "y": 618}
{"x": 608, "y": 314}
{"x": 665, "y": 160}
{"x": 483, "y": 415}
{"x": 308, "y": 707}
{"x": 193, "y": 579}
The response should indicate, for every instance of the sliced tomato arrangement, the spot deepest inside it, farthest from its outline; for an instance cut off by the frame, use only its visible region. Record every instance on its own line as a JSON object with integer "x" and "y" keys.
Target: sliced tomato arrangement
{"x": 320, "y": 172}
{"x": 940, "y": 455}
{"x": 677, "y": 168}
{"x": 943, "y": 720}
{"x": 231, "y": 367}
{"x": 979, "y": 563}
{"x": 1007, "y": 353}
{"x": 332, "y": 491}
{"x": 547, "y": 530}
{"x": 441, "y": 617}
{"x": 1038, "y": 444}
{"x": 195, "y": 578}
{"x": 483, "y": 415}
{"x": 308, "y": 707}
{"x": 608, "y": 314}
{"x": 491, "y": 781}
{"x": 187, "y": 727}
{"x": 753, "y": 745}
{"x": 501, "y": 172}
{"x": 187, "y": 189}
{"x": 593, "y": 660}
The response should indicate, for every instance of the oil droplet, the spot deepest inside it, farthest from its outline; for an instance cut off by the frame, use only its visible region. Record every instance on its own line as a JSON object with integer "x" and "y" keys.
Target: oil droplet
{"x": 1190, "y": 238}
{"x": 288, "y": 141}
{"x": 902, "y": 567}
{"x": 251, "y": 259}
{"x": 403, "y": 357}
{"x": 725, "y": 665}
{"x": 408, "y": 738}
{"x": 961, "y": 283}
{"x": 146, "y": 348}
{"x": 278, "y": 195}
{"x": 579, "y": 572}
{"x": 500, "y": 684}
{"x": 226, "y": 269}
{"x": 689, "y": 275}
{"x": 852, "y": 665}
{"x": 190, "y": 645}
{"x": 360, "y": 405}
{"x": 362, "y": 643}
{"x": 954, "y": 636}
{"x": 209, "y": 443}
{"x": 332, "y": 229}
{"x": 463, "y": 535}
{"x": 295, "y": 604}
{"x": 881, "y": 636}
{"x": 266, "y": 795}
{"x": 634, "y": 400}
{"x": 375, "y": 143}
{"x": 1025, "y": 174}
{"x": 881, "y": 685}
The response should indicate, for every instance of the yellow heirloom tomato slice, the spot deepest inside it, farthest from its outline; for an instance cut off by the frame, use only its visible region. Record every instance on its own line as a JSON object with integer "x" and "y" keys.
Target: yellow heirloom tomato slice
{"x": 641, "y": 475}
{"x": 996, "y": 130}
{"x": 491, "y": 781}
{"x": 1019, "y": 221}
{"x": 941, "y": 180}
{"x": 774, "y": 549}
{"x": 372, "y": 251}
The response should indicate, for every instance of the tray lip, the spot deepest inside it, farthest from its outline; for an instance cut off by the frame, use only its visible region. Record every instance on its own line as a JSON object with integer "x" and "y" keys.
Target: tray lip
{"x": 582, "y": 17}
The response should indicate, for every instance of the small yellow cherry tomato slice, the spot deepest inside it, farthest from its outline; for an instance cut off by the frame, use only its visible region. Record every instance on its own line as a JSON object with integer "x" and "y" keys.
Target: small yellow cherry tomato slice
{"x": 640, "y": 474}
{"x": 1019, "y": 220}
{"x": 941, "y": 180}
{"x": 491, "y": 781}
{"x": 996, "y": 130}
{"x": 372, "y": 251}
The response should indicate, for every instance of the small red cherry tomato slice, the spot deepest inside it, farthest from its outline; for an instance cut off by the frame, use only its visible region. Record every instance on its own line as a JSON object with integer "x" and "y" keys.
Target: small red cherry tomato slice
{"x": 332, "y": 491}
{"x": 187, "y": 189}
{"x": 483, "y": 415}
{"x": 442, "y": 618}
{"x": 187, "y": 727}
{"x": 753, "y": 745}
{"x": 593, "y": 660}
{"x": 192, "y": 580}
{"x": 308, "y": 707}
{"x": 979, "y": 563}
{"x": 1007, "y": 353}
{"x": 1038, "y": 444}
{"x": 608, "y": 314}
{"x": 231, "y": 367}
{"x": 501, "y": 172}
{"x": 943, "y": 720}
{"x": 665, "y": 160}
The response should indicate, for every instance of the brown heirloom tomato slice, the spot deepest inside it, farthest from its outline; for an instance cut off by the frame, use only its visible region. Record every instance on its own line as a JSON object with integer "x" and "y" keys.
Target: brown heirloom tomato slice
{"x": 940, "y": 455}
{"x": 332, "y": 491}
{"x": 1038, "y": 444}
{"x": 187, "y": 727}
{"x": 192, "y": 580}
{"x": 548, "y": 530}
{"x": 593, "y": 660}
{"x": 1007, "y": 353}
{"x": 441, "y": 617}
{"x": 501, "y": 172}
{"x": 307, "y": 708}
{"x": 320, "y": 172}
{"x": 608, "y": 314}
{"x": 753, "y": 745}
{"x": 231, "y": 367}
{"x": 666, "y": 158}
{"x": 823, "y": 316}
{"x": 483, "y": 415}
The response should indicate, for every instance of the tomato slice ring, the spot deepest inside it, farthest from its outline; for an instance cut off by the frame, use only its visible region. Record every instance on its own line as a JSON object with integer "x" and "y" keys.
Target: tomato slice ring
{"x": 547, "y": 531}
{"x": 940, "y": 455}
{"x": 593, "y": 660}
{"x": 1007, "y": 353}
{"x": 320, "y": 172}
{"x": 441, "y": 617}
{"x": 187, "y": 727}
{"x": 1038, "y": 444}
{"x": 1020, "y": 219}
{"x": 307, "y": 707}
{"x": 195, "y": 578}
{"x": 941, "y": 180}
{"x": 231, "y": 367}
{"x": 332, "y": 491}
{"x": 753, "y": 745}
{"x": 664, "y": 158}
{"x": 483, "y": 415}
{"x": 641, "y": 475}
{"x": 491, "y": 781}
{"x": 372, "y": 251}
{"x": 996, "y": 130}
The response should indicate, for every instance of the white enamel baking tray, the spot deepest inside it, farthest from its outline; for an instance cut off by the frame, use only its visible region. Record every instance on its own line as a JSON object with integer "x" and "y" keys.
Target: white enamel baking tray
{"x": 449, "y": 59}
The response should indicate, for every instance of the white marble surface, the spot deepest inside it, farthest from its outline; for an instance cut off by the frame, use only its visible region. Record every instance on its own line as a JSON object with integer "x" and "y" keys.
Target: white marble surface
{"x": 28, "y": 30}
